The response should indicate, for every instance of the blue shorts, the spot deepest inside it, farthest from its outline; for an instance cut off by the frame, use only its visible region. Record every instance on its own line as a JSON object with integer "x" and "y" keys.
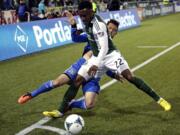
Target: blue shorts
{"x": 72, "y": 71}
{"x": 91, "y": 86}
{"x": 87, "y": 48}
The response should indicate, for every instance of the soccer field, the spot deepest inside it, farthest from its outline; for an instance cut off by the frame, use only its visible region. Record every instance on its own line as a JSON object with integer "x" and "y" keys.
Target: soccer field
{"x": 121, "y": 108}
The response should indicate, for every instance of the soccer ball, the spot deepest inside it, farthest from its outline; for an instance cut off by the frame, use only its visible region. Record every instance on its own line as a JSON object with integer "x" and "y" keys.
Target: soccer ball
{"x": 74, "y": 124}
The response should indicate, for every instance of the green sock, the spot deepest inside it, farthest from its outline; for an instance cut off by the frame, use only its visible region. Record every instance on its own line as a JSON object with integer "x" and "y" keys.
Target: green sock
{"x": 140, "y": 84}
{"x": 69, "y": 95}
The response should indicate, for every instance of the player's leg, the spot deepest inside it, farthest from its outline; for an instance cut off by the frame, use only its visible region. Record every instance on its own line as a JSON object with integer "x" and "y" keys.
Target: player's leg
{"x": 69, "y": 74}
{"x": 142, "y": 85}
{"x": 72, "y": 90}
{"x": 71, "y": 93}
{"x": 45, "y": 87}
{"x": 68, "y": 96}
{"x": 84, "y": 103}
{"x": 87, "y": 102}
{"x": 90, "y": 90}
{"x": 90, "y": 99}
{"x": 116, "y": 62}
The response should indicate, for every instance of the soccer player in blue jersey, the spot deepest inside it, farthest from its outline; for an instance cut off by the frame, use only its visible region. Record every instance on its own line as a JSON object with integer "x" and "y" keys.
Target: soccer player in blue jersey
{"x": 90, "y": 88}
{"x": 70, "y": 74}
{"x": 105, "y": 56}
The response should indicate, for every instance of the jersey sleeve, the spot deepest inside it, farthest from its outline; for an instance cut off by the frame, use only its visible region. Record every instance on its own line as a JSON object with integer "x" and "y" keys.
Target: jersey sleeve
{"x": 77, "y": 36}
{"x": 101, "y": 38}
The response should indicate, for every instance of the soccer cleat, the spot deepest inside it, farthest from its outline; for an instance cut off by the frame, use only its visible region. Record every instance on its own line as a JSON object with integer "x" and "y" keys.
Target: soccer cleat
{"x": 164, "y": 104}
{"x": 54, "y": 114}
{"x": 24, "y": 98}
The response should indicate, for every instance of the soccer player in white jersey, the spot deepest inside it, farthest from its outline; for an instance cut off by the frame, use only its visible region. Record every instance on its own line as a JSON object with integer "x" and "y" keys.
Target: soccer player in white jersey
{"x": 70, "y": 74}
{"x": 105, "y": 56}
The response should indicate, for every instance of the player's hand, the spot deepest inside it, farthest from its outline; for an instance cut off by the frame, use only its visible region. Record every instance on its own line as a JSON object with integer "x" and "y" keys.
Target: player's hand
{"x": 92, "y": 71}
{"x": 119, "y": 77}
{"x": 70, "y": 17}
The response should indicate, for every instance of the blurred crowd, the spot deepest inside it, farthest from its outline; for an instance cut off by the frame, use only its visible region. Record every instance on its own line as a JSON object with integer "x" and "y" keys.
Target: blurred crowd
{"x": 13, "y": 11}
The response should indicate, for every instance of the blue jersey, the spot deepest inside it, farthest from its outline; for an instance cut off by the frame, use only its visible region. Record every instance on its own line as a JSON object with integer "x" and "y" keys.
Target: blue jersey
{"x": 79, "y": 36}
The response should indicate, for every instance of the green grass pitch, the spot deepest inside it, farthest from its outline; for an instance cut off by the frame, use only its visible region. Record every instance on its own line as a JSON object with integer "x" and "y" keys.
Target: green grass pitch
{"x": 121, "y": 109}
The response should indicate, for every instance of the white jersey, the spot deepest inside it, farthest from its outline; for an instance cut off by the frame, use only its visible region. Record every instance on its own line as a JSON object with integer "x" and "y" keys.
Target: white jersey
{"x": 113, "y": 61}
{"x": 99, "y": 39}
{"x": 105, "y": 56}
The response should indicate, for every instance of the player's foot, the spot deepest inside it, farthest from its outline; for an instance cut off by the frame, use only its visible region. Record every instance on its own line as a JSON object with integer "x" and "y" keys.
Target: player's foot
{"x": 24, "y": 98}
{"x": 164, "y": 104}
{"x": 54, "y": 114}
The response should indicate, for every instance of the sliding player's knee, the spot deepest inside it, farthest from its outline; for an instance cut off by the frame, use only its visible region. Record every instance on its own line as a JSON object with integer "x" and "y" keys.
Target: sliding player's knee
{"x": 61, "y": 80}
{"x": 58, "y": 82}
{"x": 129, "y": 77}
{"x": 90, "y": 104}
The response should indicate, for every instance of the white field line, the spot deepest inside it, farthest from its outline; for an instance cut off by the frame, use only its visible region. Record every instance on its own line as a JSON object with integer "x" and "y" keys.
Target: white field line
{"x": 44, "y": 120}
{"x": 152, "y": 46}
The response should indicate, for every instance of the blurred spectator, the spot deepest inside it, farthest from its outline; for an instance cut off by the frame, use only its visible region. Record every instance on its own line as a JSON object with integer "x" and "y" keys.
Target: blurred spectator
{"x": 49, "y": 15}
{"x": 35, "y": 14}
{"x": 102, "y": 6}
{"x": 75, "y": 2}
{"x": 114, "y": 5}
{"x": 94, "y": 5}
{"x": 9, "y": 21}
{"x": 2, "y": 21}
{"x": 125, "y": 5}
{"x": 106, "y": 1}
{"x": 57, "y": 14}
{"x": 41, "y": 7}
{"x": 14, "y": 17}
{"x": 60, "y": 3}
{"x": 1, "y": 4}
{"x": 22, "y": 11}
{"x": 68, "y": 2}
{"x": 32, "y": 3}
{"x": 51, "y": 3}
{"x": 165, "y": 2}
{"x": 15, "y": 3}
{"x": 7, "y": 4}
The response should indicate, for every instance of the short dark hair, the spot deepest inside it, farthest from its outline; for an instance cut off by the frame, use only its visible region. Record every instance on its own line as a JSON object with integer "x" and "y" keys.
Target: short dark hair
{"x": 114, "y": 22}
{"x": 85, "y": 5}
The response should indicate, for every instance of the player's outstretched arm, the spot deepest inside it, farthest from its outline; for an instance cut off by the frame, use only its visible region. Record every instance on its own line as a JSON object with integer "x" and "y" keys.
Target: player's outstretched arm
{"x": 70, "y": 17}
{"x": 101, "y": 38}
{"x": 76, "y": 34}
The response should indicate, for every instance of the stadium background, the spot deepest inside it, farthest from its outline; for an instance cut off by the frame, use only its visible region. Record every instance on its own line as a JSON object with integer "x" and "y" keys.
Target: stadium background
{"x": 121, "y": 109}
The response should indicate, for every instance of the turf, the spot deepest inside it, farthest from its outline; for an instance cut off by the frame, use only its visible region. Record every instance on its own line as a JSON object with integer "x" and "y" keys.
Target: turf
{"x": 121, "y": 108}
